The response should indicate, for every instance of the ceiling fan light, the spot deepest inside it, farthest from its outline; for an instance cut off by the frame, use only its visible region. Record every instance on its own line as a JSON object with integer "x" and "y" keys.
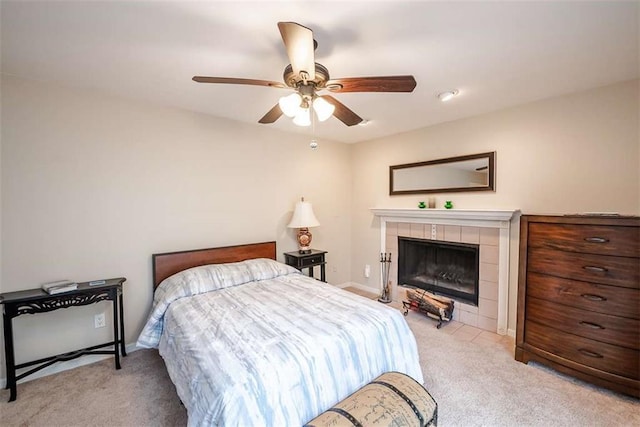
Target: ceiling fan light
{"x": 290, "y": 104}
{"x": 303, "y": 117}
{"x": 323, "y": 109}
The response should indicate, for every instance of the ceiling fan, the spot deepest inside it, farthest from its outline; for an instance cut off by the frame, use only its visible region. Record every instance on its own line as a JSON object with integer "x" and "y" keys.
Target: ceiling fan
{"x": 308, "y": 78}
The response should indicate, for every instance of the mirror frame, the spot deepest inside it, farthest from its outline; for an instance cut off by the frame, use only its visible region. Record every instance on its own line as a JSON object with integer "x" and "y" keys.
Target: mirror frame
{"x": 491, "y": 156}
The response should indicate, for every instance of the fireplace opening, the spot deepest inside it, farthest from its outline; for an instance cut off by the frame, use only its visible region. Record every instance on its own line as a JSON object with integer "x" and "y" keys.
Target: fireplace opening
{"x": 445, "y": 268}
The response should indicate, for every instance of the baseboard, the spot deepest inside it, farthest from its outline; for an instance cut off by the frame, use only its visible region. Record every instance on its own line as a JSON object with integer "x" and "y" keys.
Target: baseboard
{"x": 360, "y": 287}
{"x": 511, "y": 333}
{"x": 69, "y": 364}
{"x": 343, "y": 285}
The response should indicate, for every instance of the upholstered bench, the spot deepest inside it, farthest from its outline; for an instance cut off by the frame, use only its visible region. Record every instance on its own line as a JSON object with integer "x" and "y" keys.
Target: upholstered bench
{"x": 392, "y": 399}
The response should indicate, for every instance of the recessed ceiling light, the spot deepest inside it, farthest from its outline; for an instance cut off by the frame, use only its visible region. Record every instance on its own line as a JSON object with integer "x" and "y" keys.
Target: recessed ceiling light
{"x": 446, "y": 96}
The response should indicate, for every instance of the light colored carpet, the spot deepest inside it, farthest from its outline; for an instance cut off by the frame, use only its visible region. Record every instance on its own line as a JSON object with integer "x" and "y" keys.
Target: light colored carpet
{"x": 475, "y": 384}
{"x": 481, "y": 384}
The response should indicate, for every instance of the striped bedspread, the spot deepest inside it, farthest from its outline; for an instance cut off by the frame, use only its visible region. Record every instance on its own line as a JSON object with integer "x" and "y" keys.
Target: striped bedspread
{"x": 270, "y": 346}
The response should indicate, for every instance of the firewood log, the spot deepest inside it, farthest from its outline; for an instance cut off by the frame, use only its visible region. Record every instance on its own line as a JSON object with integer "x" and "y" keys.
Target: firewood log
{"x": 431, "y": 304}
{"x": 439, "y": 301}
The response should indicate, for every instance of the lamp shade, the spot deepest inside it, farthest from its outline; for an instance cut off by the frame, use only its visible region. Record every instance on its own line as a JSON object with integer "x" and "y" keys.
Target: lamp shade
{"x": 303, "y": 117}
{"x": 290, "y": 104}
{"x": 323, "y": 109}
{"x": 303, "y": 216}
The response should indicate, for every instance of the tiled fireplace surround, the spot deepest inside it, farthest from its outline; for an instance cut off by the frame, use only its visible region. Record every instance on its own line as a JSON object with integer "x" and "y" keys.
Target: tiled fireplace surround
{"x": 489, "y": 229}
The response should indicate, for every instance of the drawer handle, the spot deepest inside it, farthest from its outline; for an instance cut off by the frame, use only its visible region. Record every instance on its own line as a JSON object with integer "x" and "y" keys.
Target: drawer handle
{"x": 592, "y": 297}
{"x": 590, "y": 353}
{"x": 596, "y": 239}
{"x": 591, "y": 325}
{"x": 593, "y": 268}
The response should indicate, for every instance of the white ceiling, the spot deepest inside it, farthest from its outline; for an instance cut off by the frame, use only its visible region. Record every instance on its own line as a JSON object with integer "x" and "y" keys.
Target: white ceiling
{"x": 497, "y": 54}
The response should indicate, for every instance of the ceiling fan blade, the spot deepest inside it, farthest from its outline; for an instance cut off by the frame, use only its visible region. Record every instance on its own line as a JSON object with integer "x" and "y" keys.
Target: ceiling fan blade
{"x": 271, "y": 116}
{"x": 372, "y": 84}
{"x": 233, "y": 80}
{"x": 342, "y": 112}
{"x": 298, "y": 40}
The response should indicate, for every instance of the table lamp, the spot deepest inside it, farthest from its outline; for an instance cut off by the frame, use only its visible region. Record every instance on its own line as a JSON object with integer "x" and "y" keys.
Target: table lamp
{"x": 303, "y": 218}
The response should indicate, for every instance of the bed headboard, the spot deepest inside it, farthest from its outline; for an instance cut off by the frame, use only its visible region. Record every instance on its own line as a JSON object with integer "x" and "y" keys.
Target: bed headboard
{"x": 167, "y": 264}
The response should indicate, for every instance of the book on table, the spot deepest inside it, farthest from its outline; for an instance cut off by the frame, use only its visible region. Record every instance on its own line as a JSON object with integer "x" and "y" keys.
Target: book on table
{"x": 59, "y": 287}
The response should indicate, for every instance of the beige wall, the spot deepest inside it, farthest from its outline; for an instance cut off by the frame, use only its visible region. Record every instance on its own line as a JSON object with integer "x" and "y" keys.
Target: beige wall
{"x": 93, "y": 185}
{"x": 575, "y": 153}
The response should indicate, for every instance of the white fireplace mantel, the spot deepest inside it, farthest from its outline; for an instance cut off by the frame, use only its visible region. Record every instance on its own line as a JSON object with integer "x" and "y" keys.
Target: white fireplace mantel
{"x": 500, "y": 219}
{"x": 468, "y": 217}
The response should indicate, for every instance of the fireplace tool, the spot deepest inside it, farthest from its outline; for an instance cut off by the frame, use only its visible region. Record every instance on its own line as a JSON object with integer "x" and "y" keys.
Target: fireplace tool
{"x": 385, "y": 263}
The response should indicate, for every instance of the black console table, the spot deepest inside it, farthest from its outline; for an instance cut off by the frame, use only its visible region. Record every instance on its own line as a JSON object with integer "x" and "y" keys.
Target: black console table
{"x": 307, "y": 260}
{"x": 34, "y": 301}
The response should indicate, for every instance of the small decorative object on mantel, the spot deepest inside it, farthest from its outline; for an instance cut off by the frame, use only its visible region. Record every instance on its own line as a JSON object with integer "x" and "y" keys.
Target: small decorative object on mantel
{"x": 385, "y": 262}
{"x": 422, "y": 205}
{"x": 432, "y": 202}
{"x": 448, "y": 204}
{"x": 434, "y": 306}
{"x": 303, "y": 218}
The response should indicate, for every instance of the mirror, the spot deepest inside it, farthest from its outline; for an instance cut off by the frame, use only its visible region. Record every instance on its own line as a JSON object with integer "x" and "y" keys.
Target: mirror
{"x": 475, "y": 172}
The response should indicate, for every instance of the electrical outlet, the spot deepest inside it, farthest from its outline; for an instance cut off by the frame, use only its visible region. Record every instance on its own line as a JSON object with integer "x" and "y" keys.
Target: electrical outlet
{"x": 99, "y": 321}
{"x": 367, "y": 270}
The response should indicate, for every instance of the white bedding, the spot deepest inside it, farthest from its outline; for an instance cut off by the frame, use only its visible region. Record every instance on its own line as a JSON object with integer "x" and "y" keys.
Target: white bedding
{"x": 259, "y": 344}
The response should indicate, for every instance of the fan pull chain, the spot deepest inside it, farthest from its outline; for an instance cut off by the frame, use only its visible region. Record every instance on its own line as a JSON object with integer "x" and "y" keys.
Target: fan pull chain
{"x": 314, "y": 143}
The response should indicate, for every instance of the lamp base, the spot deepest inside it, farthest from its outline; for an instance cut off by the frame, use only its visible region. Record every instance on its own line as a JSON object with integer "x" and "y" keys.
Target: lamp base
{"x": 304, "y": 240}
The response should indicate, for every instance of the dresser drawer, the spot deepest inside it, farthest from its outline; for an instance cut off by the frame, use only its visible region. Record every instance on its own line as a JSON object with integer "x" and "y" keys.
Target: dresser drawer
{"x": 591, "y": 239}
{"x": 605, "y": 357}
{"x": 312, "y": 260}
{"x": 610, "y": 270}
{"x": 624, "y": 302}
{"x": 600, "y": 327}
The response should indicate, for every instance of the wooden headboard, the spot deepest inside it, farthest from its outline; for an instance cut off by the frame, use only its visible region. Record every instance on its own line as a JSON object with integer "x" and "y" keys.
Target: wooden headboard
{"x": 167, "y": 264}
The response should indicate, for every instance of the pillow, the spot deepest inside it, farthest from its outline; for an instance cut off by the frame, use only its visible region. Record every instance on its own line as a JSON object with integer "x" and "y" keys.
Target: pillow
{"x": 265, "y": 268}
{"x": 211, "y": 277}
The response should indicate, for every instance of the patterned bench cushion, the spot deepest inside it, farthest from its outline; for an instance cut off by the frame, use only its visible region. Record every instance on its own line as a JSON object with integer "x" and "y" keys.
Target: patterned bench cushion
{"x": 392, "y": 399}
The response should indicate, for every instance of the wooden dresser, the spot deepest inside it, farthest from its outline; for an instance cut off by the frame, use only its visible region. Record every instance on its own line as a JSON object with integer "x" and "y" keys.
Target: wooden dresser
{"x": 579, "y": 297}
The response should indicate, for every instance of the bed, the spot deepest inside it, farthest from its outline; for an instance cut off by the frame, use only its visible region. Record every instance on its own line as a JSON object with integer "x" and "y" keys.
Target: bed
{"x": 249, "y": 341}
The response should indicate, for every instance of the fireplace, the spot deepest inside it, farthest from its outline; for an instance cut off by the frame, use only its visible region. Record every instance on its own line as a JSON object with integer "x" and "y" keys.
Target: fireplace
{"x": 490, "y": 229}
{"x": 445, "y": 268}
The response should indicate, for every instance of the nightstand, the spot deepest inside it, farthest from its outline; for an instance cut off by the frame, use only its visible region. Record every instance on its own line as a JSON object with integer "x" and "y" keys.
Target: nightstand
{"x": 310, "y": 260}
